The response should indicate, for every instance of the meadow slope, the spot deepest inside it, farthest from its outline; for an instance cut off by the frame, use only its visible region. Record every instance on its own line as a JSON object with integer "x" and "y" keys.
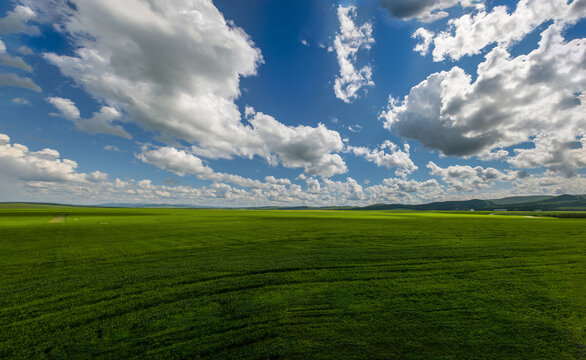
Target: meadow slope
{"x": 228, "y": 284}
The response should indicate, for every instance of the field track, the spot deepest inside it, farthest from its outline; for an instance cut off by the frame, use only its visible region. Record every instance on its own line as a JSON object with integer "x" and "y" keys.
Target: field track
{"x": 59, "y": 218}
{"x": 240, "y": 284}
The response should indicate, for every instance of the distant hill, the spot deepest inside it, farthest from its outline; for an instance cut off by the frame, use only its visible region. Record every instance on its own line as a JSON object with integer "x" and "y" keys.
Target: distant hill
{"x": 31, "y": 205}
{"x": 516, "y": 203}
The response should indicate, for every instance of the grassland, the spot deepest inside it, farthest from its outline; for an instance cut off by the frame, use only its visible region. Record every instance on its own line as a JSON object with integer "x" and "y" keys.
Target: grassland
{"x": 228, "y": 284}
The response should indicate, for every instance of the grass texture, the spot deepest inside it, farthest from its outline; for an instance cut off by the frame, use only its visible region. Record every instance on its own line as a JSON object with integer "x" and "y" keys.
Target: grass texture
{"x": 244, "y": 284}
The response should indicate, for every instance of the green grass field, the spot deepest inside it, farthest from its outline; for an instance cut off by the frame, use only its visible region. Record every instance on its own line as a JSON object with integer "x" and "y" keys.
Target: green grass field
{"x": 229, "y": 284}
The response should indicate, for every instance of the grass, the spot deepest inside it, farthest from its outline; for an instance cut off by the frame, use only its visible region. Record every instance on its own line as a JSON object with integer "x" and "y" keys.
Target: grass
{"x": 229, "y": 284}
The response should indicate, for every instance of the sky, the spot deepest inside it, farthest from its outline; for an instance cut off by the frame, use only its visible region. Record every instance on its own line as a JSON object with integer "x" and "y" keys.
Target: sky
{"x": 284, "y": 103}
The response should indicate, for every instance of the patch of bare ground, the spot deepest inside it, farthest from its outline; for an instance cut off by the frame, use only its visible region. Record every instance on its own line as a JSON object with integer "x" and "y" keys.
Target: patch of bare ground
{"x": 59, "y": 218}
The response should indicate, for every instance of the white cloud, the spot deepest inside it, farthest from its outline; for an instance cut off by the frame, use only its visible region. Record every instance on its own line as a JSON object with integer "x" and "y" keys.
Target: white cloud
{"x": 347, "y": 43}
{"x": 549, "y": 184}
{"x": 513, "y": 100}
{"x": 301, "y": 146}
{"x": 19, "y": 163}
{"x": 426, "y": 38}
{"x": 21, "y": 101}
{"x": 99, "y": 123}
{"x": 305, "y": 42}
{"x": 470, "y": 33}
{"x": 175, "y": 68}
{"x": 176, "y": 161}
{"x": 16, "y": 21}
{"x": 394, "y": 158}
{"x": 18, "y": 81}
{"x": 113, "y": 148}
{"x": 548, "y": 152}
{"x": 468, "y": 178}
{"x": 498, "y": 155}
{"x": 355, "y": 128}
{"x": 25, "y": 50}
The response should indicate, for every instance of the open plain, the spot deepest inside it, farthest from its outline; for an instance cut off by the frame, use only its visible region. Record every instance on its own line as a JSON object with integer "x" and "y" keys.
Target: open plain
{"x": 228, "y": 284}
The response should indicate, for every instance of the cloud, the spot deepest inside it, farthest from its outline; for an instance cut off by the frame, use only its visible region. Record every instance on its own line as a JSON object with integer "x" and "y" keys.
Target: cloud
{"x": 498, "y": 155}
{"x": 19, "y": 163}
{"x": 468, "y": 178}
{"x": 182, "y": 163}
{"x": 175, "y": 69}
{"x": 564, "y": 156}
{"x": 99, "y": 123}
{"x": 25, "y": 50}
{"x": 347, "y": 43}
{"x": 512, "y": 101}
{"x": 300, "y": 146}
{"x": 305, "y": 42}
{"x": 113, "y": 148}
{"x": 355, "y": 128}
{"x": 470, "y": 33}
{"x": 394, "y": 158}
{"x": 176, "y": 161}
{"x": 44, "y": 176}
{"x": 426, "y": 37}
{"x": 13, "y": 61}
{"x": 16, "y": 21}
{"x": 549, "y": 183}
{"x": 21, "y": 101}
{"x": 18, "y": 81}
{"x": 422, "y": 10}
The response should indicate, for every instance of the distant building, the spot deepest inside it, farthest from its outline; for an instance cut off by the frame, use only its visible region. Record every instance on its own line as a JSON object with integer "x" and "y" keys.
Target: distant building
{"x": 538, "y": 210}
{"x": 500, "y": 210}
{"x": 471, "y": 210}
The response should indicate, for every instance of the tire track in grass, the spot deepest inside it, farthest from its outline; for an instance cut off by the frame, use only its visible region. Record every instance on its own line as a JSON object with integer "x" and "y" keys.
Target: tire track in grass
{"x": 183, "y": 288}
{"x": 59, "y": 218}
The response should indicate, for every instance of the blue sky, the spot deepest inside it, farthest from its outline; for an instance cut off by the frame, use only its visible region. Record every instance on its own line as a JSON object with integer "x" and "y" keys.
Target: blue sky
{"x": 233, "y": 103}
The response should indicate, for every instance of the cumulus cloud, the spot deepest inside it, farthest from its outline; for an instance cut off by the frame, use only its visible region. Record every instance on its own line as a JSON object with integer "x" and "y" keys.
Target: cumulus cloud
{"x": 19, "y": 163}
{"x": 17, "y": 21}
{"x": 99, "y": 123}
{"x": 468, "y": 178}
{"x": 470, "y": 33}
{"x": 45, "y": 176}
{"x": 347, "y": 43}
{"x": 422, "y": 10}
{"x": 563, "y": 155}
{"x": 182, "y": 163}
{"x": 176, "y": 161}
{"x": 299, "y": 146}
{"x": 549, "y": 183}
{"x": 313, "y": 149}
{"x": 395, "y": 157}
{"x": 497, "y": 155}
{"x": 513, "y": 100}
{"x": 426, "y": 38}
{"x": 175, "y": 68}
